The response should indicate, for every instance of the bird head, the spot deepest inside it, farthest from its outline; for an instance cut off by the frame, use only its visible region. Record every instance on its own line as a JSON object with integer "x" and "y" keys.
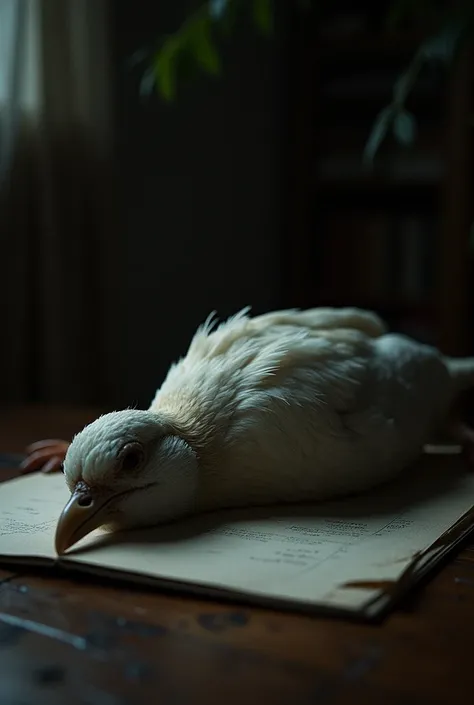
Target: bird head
{"x": 126, "y": 469}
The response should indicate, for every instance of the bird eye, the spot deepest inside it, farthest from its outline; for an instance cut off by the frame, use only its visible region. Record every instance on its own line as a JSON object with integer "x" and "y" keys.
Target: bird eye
{"x": 131, "y": 456}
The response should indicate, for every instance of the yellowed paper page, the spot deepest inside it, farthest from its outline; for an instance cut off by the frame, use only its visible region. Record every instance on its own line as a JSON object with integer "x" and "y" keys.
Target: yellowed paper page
{"x": 29, "y": 510}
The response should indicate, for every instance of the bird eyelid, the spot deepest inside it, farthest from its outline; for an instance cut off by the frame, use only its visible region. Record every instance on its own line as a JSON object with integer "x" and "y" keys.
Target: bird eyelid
{"x": 131, "y": 456}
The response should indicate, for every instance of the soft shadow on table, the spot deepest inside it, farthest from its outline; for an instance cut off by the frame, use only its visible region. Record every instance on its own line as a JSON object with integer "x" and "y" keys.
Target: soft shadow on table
{"x": 431, "y": 478}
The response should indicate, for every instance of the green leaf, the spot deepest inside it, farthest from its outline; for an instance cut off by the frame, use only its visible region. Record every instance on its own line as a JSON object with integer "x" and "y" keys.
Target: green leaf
{"x": 137, "y": 58}
{"x": 201, "y": 42}
{"x": 378, "y": 134}
{"x": 405, "y": 82}
{"x": 147, "y": 83}
{"x": 443, "y": 45}
{"x": 165, "y": 68}
{"x": 187, "y": 67}
{"x": 263, "y": 15}
{"x": 404, "y": 127}
{"x": 218, "y": 8}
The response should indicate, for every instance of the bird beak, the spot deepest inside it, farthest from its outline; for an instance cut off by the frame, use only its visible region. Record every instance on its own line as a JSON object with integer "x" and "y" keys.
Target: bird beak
{"x": 82, "y": 514}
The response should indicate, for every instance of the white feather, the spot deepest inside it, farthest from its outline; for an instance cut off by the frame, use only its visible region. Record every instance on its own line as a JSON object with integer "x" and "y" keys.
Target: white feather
{"x": 284, "y": 407}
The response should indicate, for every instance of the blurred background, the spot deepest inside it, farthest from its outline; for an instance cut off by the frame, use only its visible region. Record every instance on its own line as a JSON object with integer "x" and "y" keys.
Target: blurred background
{"x": 126, "y": 218}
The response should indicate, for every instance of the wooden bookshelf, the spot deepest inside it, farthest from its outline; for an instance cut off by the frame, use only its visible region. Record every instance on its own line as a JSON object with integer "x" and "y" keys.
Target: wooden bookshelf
{"x": 395, "y": 238}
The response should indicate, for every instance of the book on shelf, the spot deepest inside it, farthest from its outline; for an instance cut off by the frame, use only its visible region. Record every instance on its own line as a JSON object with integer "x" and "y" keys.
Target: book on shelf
{"x": 354, "y": 557}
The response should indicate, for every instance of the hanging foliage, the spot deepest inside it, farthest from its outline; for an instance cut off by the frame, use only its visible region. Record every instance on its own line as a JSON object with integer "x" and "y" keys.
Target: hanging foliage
{"x": 196, "y": 45}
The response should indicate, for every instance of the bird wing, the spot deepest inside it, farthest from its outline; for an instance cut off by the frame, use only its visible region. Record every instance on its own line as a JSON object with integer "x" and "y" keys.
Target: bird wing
{"x": 209, "y": 342}
{"x": 323, "y": 412}
{"x": 325, "y": 318}
{"x": 304, "y": 359}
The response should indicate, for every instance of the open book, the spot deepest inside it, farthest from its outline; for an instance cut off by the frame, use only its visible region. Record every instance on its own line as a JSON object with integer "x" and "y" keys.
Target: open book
{"x": 354, "y": 556}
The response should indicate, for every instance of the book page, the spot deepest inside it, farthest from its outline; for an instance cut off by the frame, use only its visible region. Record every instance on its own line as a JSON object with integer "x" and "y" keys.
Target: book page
{"x": 313, "y": 554}
{"x": 29, "y": 510}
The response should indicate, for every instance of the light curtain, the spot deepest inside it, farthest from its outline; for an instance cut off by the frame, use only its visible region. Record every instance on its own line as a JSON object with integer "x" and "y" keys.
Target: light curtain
{"x": 58, "y": 256}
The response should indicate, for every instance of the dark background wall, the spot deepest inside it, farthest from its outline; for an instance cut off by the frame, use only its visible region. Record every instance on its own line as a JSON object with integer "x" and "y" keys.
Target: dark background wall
{"x": 200, "y": 190}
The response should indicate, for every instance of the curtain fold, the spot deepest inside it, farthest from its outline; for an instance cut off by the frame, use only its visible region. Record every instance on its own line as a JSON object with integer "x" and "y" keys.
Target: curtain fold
{"x": 59, "y": 264}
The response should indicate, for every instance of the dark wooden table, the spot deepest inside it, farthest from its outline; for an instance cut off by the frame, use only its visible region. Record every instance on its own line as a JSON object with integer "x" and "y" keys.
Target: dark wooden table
{"x": 71, "y": 642}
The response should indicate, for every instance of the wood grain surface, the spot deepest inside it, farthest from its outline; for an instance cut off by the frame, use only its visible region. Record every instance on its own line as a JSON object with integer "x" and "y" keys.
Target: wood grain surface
{"x": 68, "y": 641}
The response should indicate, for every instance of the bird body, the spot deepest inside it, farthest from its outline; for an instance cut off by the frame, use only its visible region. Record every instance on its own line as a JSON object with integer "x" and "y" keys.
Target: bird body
{"x": 285, "y": 407}
{"x": 288, "y": 411}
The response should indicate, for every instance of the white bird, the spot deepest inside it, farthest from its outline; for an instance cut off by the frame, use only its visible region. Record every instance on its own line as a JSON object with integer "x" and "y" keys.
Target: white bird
{"x": 285, "y": 407}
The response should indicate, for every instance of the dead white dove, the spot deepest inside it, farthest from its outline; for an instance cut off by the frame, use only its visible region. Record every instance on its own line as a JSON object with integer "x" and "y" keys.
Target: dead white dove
{"x": 286, "y": 407}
